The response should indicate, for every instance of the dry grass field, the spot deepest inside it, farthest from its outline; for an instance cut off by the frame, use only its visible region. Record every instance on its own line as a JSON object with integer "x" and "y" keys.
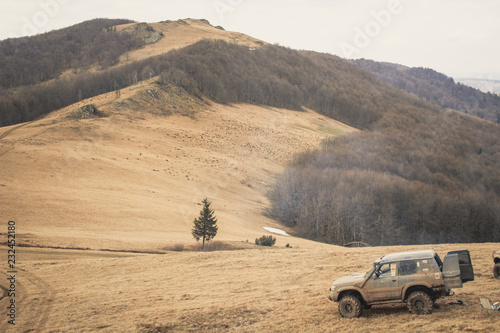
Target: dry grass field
{"x": 100, "y": 205}
{"x": 133, "y": 180}
{"x": 252, "y": 290}
{"x": 181, "y": 33}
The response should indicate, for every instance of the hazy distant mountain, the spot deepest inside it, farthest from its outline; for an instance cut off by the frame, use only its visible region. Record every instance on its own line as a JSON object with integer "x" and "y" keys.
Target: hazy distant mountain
{"x": 436, "y": 88}
{"x": 492, "y": 86}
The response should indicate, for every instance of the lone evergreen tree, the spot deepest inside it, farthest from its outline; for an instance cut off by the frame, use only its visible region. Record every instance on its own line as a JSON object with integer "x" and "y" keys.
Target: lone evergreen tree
{"x": 205, "y": 226}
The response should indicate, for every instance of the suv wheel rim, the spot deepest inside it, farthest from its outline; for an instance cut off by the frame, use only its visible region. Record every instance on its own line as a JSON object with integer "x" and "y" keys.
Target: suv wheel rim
{"x": 419, "y": 305}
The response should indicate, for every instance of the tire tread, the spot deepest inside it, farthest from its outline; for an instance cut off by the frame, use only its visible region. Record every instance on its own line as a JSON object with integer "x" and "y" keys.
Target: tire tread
{"x": 422, "y": 296}
{"x": 352, "y": 301}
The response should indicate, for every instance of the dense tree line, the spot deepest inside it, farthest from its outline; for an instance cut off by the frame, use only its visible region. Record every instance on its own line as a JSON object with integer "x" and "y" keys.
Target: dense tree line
{"x": 416, "y": 177}
{"x": 436, "y": 88}
{"x": 31, "y": 60}
{"x": 339, "y": 206}
{"x": 282, "y": 77}
{"x": 226, "y": 73}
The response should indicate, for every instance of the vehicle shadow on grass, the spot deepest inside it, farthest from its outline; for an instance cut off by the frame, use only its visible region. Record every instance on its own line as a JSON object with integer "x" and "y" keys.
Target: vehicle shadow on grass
{"x": 400, "y": 309}
{"x": 384, "y": 310}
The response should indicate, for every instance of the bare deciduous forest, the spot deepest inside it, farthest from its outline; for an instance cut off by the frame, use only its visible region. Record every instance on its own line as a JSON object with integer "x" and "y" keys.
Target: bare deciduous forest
{"x": 417, "y": 173}
{"x": 226, "y": 73}
{"x": 31, "y": 60}
{"x": 436, "y": 88}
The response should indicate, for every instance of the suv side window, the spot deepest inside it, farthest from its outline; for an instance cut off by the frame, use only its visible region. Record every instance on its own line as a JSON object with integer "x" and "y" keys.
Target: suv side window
{"x": 408, "y": 267}
{"x": 428, "y": 266}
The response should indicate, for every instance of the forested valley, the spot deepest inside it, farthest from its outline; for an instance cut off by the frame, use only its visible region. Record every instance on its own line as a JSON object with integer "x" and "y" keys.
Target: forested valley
{"x": 415, "y": 173}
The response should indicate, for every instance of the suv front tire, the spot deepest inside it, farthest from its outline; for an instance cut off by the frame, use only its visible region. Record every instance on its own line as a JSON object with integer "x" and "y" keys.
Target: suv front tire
{"x": 350, "y": 306}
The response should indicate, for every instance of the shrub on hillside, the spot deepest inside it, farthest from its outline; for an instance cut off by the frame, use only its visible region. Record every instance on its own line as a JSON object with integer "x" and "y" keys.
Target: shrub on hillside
{"x": 265, "y": 241}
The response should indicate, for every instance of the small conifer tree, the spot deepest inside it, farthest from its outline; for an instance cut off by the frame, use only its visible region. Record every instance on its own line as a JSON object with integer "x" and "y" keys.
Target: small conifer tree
{"x": 205, "y": 225}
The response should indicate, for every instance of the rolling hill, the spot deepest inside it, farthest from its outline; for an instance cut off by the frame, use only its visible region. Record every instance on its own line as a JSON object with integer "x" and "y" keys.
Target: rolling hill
{"x": 134, "y": 178}
{"x": 407, "y": 148}
{"x": 104, "y": 188}
{"x": 62, "y": 66}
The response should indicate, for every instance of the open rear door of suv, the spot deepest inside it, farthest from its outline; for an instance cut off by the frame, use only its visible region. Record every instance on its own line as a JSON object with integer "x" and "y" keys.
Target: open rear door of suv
{"x": 457, "y": 269}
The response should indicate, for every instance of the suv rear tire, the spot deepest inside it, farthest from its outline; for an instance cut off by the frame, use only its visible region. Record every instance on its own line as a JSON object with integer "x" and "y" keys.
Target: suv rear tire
{"x": 496, "y": 271}
{"x": 419, "y": 302}
{"x": 350, "y": 306}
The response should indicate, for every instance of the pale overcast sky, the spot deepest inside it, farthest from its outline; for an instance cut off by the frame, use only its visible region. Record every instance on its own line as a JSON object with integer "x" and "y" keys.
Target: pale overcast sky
{"x": 459, "y": 38}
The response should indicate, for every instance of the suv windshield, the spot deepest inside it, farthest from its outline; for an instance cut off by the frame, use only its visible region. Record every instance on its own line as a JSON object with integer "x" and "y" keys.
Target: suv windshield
{"x": 370, "y": 272}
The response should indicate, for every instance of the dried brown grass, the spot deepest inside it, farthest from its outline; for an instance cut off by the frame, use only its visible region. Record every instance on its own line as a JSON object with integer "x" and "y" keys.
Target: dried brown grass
{"x": 132, "y": 181}
{"x": 263, "y": 289}
{"x": 178, "y": 34}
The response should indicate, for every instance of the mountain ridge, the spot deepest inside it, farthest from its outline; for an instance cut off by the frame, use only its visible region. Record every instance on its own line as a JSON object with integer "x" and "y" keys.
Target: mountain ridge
{"x": 25, "y": 103}
{"x": 437, "y": 88}
{"x": 103, "y": 193}
{"x": 485, "y": 85}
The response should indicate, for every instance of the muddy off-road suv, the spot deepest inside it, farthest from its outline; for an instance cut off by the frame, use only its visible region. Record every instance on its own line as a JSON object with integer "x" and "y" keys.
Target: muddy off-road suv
{"x": 415, "y": 278}
{"x": 496, "y": 268}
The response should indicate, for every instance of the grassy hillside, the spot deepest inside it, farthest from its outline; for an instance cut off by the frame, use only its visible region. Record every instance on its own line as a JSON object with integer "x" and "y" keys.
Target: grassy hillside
{"x": 414, "y": 174}
{"x": 133, "y": 178}
{"x": 129, "y": 173}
